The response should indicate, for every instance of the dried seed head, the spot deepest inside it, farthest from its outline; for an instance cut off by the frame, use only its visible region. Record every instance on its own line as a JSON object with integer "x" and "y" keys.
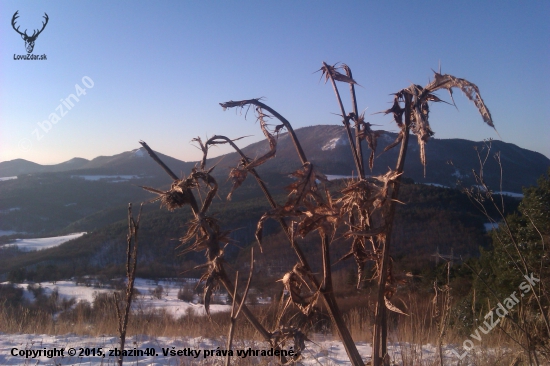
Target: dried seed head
{"x": 237, "y": 176}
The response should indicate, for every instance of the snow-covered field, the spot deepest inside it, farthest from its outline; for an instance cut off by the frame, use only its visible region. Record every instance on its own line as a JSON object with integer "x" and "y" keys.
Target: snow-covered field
{"x": 335, "y": 176}
{"x": 436, "y": 185}
{"x": 511, "y": 194}
{"x": 7, "y": 178}
{"x": 111, "y": 178}
{"x": 169, "y": 300}
{"x": 43, "y": 243}
{"x": 319, "y": 351}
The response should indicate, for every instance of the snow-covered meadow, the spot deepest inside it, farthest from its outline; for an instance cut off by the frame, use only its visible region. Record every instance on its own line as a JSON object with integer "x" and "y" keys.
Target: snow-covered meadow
{"x": 320, "y": 350}
{"x": 168, "y": 300}
{"x": 44, "y": 243}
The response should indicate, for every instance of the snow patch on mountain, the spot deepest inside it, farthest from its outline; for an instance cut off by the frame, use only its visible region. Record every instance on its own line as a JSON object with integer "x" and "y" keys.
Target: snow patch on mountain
{"x": 44, "y": 243}
{"x": 139, "y": 153}
{"x": 331, "y": 145}
{"x": 8, "y": 210}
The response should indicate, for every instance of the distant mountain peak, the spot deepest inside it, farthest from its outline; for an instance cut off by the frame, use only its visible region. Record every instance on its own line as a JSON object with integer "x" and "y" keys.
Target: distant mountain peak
{"x": 139, "y": 153}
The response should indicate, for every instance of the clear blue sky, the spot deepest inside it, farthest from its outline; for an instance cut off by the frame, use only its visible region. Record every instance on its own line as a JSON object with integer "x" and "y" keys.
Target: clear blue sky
{"x": 160, "y": 69}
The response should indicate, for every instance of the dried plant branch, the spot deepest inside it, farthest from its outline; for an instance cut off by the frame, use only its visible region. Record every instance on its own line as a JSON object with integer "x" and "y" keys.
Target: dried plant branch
{"x": 379, "y": 331}
{"x": 235, "y": 314}
{"x": 131, "y": 267}
{"x": 469, "y": 89}
{"x": 256, "y": 102}
{"x": 355, "y": 115}
{"x": 153, "y": 155}
{"x": 206, "y": 235}
{"x": 331, "y": 73}
{"x": 304, "y": 188}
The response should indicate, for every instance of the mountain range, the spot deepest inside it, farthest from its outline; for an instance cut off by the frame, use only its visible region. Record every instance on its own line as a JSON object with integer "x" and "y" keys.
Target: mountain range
{"x": 449, "y": 161}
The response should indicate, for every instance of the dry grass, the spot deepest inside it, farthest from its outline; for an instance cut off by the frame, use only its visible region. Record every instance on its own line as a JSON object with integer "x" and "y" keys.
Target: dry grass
{"x": 407, "y": 335}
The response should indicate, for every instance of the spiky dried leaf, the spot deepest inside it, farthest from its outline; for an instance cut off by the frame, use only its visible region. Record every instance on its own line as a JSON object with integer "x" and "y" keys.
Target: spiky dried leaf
{"x": 323, "y": 218}
{"x": 332, "y": 70}
{"x": 281, "y": 336}
{"x": 293, "y": 282}
{"x": 238, "y": 176}
{"x": 270, "y": 138}
{"x": 370, "y": 136}
{"x": 420, "y": 97}
{"x": 445, "y": 81}
{"x": 278, "y": 212}
{"x": 396, "y": 109}
{"x": 392, "y": 307}
{"x": 211, "y": 285}
{"x": 242, "y": 103}
{"x": 305, "y": 185}
{"x": 361, "y": 256}
{"x": 360, "y": 196}
{"x": 396, "y": 142}
{"x": 204, "y": 233}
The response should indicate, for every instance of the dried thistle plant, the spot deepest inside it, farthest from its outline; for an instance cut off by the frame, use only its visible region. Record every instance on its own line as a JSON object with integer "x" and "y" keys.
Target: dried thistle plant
{"x": 370, "y": 209}
{"x": 365, "y": 207}
{"x": 420, "y": 97}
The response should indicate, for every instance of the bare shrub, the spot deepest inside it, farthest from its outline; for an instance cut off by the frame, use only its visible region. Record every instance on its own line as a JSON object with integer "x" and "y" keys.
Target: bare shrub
{"x": 186, "y": 293}
{"x": 157, "y": 292}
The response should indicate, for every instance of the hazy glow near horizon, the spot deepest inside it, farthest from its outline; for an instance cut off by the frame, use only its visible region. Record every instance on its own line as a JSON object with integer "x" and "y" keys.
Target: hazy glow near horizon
{"x": 157, "y": 71}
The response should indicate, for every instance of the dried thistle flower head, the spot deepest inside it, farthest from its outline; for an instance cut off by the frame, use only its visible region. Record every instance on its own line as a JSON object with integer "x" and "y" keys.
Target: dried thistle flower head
{"x": 175, "y": 197}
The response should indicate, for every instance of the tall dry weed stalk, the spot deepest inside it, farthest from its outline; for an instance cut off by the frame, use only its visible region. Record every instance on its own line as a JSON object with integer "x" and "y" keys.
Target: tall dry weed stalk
{"x": 365, "y": 208}
{"x": 131, "y": 267}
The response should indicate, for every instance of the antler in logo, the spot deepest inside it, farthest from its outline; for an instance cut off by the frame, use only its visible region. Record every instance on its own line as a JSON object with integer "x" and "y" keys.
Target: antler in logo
{"x": 29, "y": 40}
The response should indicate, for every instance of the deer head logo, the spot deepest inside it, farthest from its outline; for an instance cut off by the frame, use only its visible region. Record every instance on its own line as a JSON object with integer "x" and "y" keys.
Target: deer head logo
{"x": 29, "y": 40}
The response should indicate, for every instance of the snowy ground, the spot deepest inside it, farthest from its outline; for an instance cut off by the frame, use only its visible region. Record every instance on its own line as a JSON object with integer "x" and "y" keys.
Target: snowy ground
{"x": 7, "y": 178}
{"x": 436, "y": 185}
{"x": 320, "y": 351}
{"x": 504, "y": 193}
{"x": 169, "y": 300}
{"x": 111, "y": 178}
{"x": 43, "y": 243}
{"x": 511, "y": 194}
{"x": 334, "y": 176}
